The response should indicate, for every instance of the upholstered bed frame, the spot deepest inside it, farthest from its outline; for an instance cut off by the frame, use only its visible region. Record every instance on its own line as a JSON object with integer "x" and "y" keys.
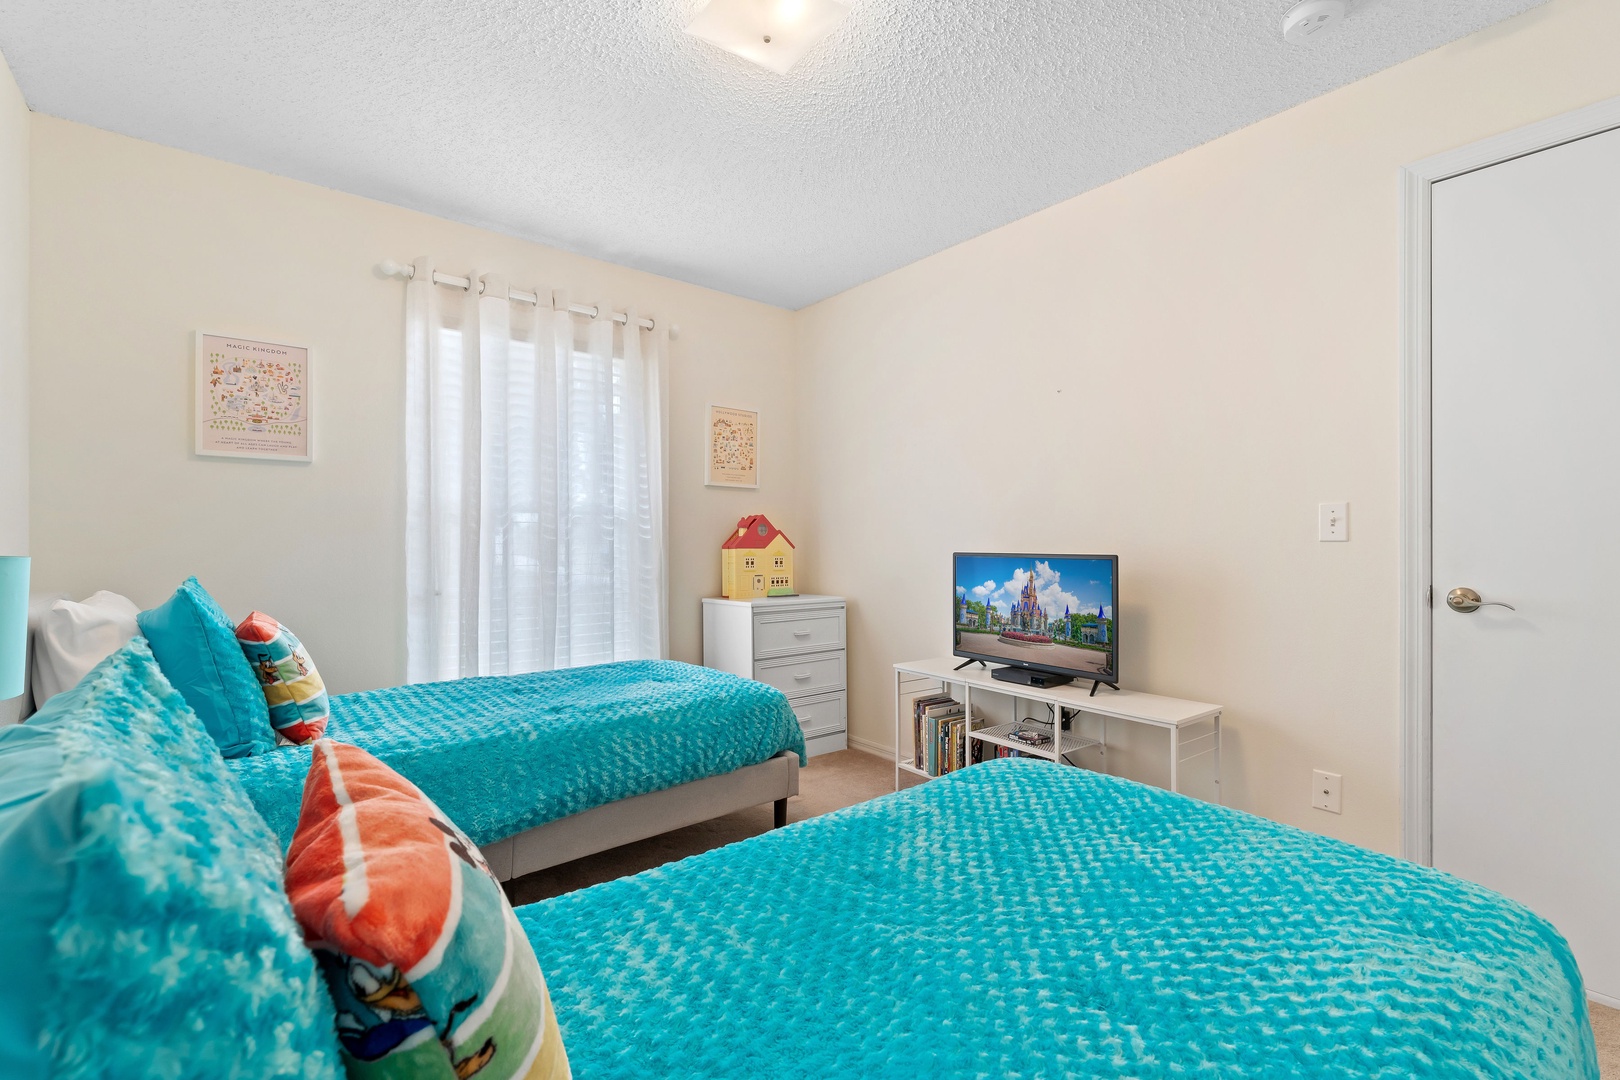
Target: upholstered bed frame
{"x": 628, "y": 820}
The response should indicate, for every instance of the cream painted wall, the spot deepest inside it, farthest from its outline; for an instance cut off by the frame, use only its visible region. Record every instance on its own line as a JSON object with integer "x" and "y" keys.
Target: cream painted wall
{"x": 1213, "y": 342}
{"x": 14, "y": 125}
{"x": 135, "y": 246}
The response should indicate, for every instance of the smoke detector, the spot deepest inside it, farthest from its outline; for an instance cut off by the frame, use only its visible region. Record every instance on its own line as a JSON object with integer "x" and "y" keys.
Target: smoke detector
{"x": 1308, "y": 18}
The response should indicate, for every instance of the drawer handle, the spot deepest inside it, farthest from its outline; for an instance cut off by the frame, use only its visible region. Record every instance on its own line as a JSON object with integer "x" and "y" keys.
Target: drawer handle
{"x": 803, "y": 675}
{"x": 801, "y": 633}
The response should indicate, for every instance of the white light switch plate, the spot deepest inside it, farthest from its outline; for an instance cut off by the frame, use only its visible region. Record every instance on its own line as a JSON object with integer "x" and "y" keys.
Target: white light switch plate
{"x": 1326, "y": 791}
{"x": 1332, "y": 522}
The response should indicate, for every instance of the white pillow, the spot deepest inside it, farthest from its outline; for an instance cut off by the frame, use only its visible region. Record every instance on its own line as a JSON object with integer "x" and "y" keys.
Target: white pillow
{"x": 72, "y": 638}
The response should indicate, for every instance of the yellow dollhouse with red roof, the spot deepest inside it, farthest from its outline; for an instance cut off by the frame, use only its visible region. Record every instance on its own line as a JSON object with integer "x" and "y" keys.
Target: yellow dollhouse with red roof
{"x": 756, "y": 560}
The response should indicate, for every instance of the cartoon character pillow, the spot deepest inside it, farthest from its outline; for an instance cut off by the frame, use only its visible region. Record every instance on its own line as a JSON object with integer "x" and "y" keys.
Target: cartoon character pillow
{"x": 299, "y": 707}
{"x": 430, "y": 971}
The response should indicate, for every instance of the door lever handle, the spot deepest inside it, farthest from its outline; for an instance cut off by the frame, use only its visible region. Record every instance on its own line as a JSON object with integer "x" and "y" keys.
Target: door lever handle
{"x": 1466, "y": 601}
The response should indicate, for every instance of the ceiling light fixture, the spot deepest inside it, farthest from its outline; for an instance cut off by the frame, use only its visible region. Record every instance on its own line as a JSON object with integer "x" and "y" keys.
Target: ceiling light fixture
{"x": 775, "y": 34}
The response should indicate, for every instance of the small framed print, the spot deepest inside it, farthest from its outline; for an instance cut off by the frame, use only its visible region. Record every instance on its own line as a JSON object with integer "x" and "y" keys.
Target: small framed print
{"x": 253, "y": 399}
{"x": 732, "y": 453}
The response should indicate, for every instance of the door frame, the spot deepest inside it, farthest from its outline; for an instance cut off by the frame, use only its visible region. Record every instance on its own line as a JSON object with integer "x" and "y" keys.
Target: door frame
{"x": 1416, "y": 519}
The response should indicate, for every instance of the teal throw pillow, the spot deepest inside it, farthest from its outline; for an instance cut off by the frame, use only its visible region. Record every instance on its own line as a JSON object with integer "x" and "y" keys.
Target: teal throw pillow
{"x": 143, "y": 898}
{"x": 195, "y": 645}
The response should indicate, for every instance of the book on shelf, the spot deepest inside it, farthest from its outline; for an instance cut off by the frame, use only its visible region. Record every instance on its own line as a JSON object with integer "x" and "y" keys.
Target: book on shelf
{"x": 946, "y": 736}
{"x": 939, "y": 736}
{"x": 918, "y": 707}
{"x": 924, "y": 709}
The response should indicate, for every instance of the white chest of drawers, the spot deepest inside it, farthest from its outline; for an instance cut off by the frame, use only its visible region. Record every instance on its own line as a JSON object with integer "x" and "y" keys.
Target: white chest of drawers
{"x": 795, "y": 643}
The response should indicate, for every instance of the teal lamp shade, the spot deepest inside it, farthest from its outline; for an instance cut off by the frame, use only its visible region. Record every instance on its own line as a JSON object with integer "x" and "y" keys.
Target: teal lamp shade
{"x": 13, "y": 624}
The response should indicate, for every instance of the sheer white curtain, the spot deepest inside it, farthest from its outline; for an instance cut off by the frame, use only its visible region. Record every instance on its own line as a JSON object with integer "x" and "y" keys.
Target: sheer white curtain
{"x": 535, "y": 527}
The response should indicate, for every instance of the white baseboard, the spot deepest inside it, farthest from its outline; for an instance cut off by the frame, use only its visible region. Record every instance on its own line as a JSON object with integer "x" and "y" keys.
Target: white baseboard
{"x": 1604, "y": 999}
{"x": 881, "y": 750}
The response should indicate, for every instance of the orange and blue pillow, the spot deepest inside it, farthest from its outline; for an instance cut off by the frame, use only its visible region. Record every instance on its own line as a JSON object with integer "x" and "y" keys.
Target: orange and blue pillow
{"x": 293, "y": 690}
{"x": 431, "y": 974}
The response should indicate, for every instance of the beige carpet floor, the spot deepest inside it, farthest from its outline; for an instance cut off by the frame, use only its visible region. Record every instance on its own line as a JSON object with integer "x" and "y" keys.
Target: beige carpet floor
{"x": 1606, "y": 1026}
{"x": 830, "y": 782}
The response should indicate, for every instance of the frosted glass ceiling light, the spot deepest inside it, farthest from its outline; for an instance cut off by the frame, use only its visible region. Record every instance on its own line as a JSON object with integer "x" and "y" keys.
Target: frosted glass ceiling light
{"x": 774, "y": 34}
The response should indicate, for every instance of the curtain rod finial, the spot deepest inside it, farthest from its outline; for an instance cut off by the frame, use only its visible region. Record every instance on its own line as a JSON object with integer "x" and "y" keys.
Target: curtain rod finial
{"x": 390, "y": 268}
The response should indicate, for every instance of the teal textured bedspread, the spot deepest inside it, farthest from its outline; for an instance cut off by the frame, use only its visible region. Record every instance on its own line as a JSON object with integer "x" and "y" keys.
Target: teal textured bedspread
{"x": 1022, "y": 919}
{"x": 506, "y": 753}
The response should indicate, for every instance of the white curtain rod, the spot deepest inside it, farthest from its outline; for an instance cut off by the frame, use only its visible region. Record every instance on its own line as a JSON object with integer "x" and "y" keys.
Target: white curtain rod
{"x": 390, "y": 268}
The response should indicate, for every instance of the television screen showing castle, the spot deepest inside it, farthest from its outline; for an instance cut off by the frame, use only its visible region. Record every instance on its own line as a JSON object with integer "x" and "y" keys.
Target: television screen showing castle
{"x": 1055, "y": 613}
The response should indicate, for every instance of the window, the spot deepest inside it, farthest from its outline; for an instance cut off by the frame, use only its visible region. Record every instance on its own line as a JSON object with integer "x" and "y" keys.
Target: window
{"x": 534, "y": 519}
{"x": 748, "y": 562}
{"x": 781, "y": 563}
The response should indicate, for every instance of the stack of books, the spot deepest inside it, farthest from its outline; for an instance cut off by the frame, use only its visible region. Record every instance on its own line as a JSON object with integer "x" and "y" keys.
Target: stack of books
{"x": 939, "y": 734}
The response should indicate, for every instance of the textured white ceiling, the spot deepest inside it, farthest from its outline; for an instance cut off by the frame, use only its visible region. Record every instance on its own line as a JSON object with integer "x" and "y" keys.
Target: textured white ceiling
{"x": 598, "y": 126}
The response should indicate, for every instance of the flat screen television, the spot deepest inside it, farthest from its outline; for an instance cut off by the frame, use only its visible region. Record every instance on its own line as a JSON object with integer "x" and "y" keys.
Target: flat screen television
{"x": 1045, "y": 619}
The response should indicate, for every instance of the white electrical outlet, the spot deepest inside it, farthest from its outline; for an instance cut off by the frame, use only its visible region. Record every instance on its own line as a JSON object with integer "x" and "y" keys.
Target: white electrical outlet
{"x": 1332, "y": 522}
{"x": 1326, "y": 791}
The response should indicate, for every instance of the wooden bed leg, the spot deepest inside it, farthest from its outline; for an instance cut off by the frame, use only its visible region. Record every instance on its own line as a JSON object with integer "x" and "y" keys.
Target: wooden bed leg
{"x": 781, "y": 813}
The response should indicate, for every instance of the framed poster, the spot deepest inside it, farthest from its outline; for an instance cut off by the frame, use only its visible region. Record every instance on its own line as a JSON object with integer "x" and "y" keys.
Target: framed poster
{"x": 731, "y": 456}
{"x": 253, "y": 399}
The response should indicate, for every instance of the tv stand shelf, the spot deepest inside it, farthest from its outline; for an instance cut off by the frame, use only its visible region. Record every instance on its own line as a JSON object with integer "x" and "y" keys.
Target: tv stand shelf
{"x": 1001, "y": 735}
{"x": 1194, "y": 726}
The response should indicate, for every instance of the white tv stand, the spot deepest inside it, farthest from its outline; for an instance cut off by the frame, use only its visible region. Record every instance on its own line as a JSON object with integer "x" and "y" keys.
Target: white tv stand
{"x": 1194, "y": 726}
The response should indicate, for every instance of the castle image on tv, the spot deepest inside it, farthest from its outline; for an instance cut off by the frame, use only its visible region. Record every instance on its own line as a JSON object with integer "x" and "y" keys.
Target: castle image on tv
{"x": 1010, "y": 612}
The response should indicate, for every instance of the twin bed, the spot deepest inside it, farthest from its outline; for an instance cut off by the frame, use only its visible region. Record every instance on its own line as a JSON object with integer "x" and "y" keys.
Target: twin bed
{"x": 1013, "y": 919}
{"x": 543, "y": 768}
{"x": 1024, "y": 919}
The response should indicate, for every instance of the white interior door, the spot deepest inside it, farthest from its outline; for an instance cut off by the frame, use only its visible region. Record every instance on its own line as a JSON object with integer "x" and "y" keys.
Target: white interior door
{"x": 1526, "y": 510}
